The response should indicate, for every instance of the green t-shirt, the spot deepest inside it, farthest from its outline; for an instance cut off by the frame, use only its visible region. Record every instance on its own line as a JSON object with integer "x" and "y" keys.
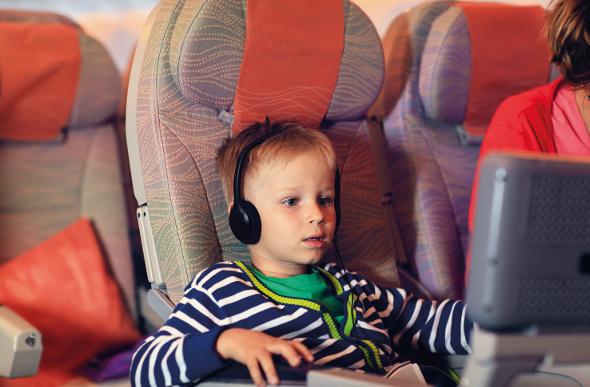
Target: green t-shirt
{"x": 307, "y": 286}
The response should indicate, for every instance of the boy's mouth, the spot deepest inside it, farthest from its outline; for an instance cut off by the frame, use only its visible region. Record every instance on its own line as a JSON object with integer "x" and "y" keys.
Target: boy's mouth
{"x": 315, "y": 237}
{"x": 315, "y": 241}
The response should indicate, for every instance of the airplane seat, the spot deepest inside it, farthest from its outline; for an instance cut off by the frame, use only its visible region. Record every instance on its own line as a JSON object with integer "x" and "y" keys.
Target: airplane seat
{"x": 403, "y": 43}
{"x": 465, "y": 60}
{"x": 197, "y": 74}
{"x": 63, "y": 221}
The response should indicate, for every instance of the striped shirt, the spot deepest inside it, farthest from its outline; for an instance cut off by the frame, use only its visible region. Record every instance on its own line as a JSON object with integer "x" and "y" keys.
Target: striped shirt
{"x": 228, "y": 295}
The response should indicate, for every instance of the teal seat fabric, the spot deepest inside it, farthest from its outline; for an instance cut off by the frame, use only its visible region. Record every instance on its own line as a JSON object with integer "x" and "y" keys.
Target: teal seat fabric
{"x": 185, "y": 78}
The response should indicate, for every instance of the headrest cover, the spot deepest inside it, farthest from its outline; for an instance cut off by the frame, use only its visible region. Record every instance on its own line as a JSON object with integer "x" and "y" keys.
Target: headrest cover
{"x": 39, "y": 72}
{"x": 499, "y": 64}
{"x": 291, "y": 61}
{"x": 207, "y": 49}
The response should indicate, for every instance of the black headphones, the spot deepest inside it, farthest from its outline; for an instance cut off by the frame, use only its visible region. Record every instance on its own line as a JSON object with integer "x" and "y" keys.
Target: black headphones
{"x": 244, "y": 219}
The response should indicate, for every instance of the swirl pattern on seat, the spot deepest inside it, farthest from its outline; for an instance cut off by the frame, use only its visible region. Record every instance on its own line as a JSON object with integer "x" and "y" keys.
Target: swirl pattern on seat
{"x": 188, "y": 78}
{"x": 431, "y": 164}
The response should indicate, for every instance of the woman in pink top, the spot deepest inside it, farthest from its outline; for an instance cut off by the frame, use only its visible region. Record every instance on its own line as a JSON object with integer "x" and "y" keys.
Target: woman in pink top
{"x": 554, "y": 118}
{"x": 568, "y": 30}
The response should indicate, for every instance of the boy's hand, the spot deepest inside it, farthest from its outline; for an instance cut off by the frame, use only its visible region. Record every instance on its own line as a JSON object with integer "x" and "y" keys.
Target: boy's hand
{"x": 255, "y": 350}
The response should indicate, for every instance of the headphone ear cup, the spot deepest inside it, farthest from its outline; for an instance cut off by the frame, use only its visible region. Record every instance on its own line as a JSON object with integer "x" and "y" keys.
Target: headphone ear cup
{"x": 244, "y": 222}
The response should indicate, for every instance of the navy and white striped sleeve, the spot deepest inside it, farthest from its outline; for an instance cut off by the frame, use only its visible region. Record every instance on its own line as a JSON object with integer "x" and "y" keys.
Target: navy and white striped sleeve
{"x": 433, "y": 326}
{"x": 183, "y": 350}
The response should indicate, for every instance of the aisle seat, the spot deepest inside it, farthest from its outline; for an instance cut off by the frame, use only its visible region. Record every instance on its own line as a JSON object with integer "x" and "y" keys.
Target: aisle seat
{"x": 65, "y": 255}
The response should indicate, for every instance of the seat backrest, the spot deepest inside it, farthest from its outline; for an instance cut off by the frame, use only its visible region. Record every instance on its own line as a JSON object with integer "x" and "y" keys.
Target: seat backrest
{"x": 461, "y": 67}
{"x": 183, "y": 83}
{"x": 59, "y": 153}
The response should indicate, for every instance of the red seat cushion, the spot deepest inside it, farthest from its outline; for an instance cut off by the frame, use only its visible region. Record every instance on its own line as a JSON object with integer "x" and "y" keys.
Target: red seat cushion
{"x": 64, "y": 289}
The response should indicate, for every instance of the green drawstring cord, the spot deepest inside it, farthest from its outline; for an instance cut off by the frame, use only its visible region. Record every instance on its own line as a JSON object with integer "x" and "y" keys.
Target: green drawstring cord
{"x": 454, "y": 376}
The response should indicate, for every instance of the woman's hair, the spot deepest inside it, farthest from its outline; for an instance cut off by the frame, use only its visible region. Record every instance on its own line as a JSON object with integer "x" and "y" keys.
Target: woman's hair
{"x": 293, "y": 139}
{"x": 568, "y": 32}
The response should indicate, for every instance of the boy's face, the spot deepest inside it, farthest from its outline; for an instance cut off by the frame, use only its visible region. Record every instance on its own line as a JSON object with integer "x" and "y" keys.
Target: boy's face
{"x": 296, "y": 206}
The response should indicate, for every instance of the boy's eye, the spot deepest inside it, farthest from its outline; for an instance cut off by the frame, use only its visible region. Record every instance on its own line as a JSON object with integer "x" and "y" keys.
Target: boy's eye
{"x": 290, "y": 202}
{"x": 325, "y": 201}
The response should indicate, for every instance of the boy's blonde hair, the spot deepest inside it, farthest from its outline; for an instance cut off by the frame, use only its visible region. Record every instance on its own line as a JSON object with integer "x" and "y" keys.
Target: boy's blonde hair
{"x": 293, "y": 139}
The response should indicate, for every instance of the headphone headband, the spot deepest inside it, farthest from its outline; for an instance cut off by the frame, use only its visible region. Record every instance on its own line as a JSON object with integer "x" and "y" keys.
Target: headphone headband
{"x": 242, "y": 160}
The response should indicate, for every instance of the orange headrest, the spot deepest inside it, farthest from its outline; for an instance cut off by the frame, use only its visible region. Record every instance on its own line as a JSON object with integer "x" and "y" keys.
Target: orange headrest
{"x": 310, "y": 50}
{"x": 477, "y": 55}
{"x": 52, "y": 75}
{"x": 39, "y": 72}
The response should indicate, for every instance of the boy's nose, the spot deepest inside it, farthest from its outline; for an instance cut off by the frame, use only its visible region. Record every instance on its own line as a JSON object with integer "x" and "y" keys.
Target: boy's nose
{"x": 315, "y": 213}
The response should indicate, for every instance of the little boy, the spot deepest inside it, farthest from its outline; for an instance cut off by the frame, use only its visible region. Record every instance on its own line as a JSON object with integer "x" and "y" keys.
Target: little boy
{"x": 283, "y": 304}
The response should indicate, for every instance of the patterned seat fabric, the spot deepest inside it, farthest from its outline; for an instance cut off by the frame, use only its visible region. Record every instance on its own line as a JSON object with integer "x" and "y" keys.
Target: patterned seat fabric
{"x": 190, "y": 66}
{"x": 76, "y": 173}
{"x": 431, "y": 160}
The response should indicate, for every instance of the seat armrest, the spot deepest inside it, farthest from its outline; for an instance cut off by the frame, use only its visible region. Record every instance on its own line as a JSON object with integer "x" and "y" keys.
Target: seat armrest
{"x": 160, "y": 303}
{"x": 20, "y": 346}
